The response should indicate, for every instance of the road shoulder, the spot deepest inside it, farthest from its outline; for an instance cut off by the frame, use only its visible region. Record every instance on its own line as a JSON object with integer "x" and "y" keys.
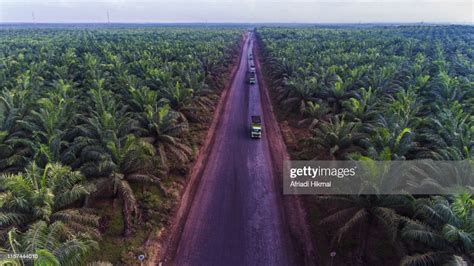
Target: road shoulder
{"x": 294, "y": 215}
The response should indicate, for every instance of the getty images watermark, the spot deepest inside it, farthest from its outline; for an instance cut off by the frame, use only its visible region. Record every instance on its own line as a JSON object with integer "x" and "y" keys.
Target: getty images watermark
{"x": 377, "y": 177}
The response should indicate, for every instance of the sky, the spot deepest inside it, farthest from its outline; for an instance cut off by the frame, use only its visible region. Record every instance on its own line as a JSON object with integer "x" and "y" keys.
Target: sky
{"x": 238, "y": 11}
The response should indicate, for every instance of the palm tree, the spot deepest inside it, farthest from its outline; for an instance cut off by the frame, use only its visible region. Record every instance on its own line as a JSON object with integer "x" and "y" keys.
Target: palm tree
{"x": 355, "y": 216}
{"x": 404, "y": 108}
{"x": 48, "y": 195}
{"x": 112, "y": 157}
{"x": 336, "y": 94}
{"x": 380, "y": 80}
{"x": 184, "y": 100}
{"x": 336, "y": 139}
{"x": 91, "y": 67}
{"x": 139, "y": 98}
{"x": 202, "y": 93}
{"x": 282, "y": 70}
{"x": 440, "y": 177}
{"x": 209, "y": 65}
{"x": 155, "y": 78}
{"x": 363, "y": 106}
{"x": 65, "y": 70}
{"x": 48, "y": 125}
{"x": 390, "y": 141}
{"x": 448, "y": 134}
{"x": 13, "y": 142}
{"x": 313, "y": 113}
{"x": 294, "y": 95}
{"x": 392, "y": 133}
{"x": 446, "y": 89}
{"x": 161, "y": 126}
{"x": 165, "y": 130}
{"x": 445, "y": 230}
{"x": 55, "y": 244}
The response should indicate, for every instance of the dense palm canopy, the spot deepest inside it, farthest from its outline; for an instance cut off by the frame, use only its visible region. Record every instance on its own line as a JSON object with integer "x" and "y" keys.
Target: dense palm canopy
{"x": 54, "y": 244}
{"x": 390, "y": 79}
{"x": 45, "y": 195}
{"x": 356, "y": 216}
{"x": 89, "y": 112}
{"x": 164, "y": 131}
{"x": 378, "y": 94}
{"x": 86, "y": 113}
{"x": 447, "y": 233}
{"x": 14, "y": 146}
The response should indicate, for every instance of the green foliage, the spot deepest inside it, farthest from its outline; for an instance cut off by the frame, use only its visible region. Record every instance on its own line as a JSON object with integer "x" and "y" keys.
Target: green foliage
{"x": 44, "y": 195}
{"x": 380, "y": 94}
{"x": 447, "y": 233}
{"x": 412, "y": 98}
{"x": 53, "y": 244}
{"x": 97, "y": 112}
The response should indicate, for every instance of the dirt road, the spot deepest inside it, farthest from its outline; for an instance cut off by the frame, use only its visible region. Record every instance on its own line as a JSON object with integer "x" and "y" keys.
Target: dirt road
{"x": 235, "y": 218}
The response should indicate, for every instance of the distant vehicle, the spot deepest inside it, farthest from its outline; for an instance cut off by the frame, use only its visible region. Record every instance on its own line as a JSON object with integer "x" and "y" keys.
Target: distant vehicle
{"x": 251, "y": 64}
{"x": 252, "y": 79}
{"x": 251, "y": 72}
{"x": 256, "y": 127}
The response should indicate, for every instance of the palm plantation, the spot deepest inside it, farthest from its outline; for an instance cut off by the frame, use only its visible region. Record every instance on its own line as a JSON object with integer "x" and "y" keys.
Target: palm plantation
{"x": 378, "y": 94}
{"x": 97, "y": 125}
{"x": 100, "y": 117}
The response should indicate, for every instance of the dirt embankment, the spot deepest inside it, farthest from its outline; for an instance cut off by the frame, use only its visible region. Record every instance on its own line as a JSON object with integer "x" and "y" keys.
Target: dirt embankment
{"x": 294, "y": 213}
{"x": 162, "y": 245}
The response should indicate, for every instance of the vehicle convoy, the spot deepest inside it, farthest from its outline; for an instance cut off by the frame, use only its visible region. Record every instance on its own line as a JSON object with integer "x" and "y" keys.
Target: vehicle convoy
{"x": 256, "y": 127}
{"x": 250, "y": 63}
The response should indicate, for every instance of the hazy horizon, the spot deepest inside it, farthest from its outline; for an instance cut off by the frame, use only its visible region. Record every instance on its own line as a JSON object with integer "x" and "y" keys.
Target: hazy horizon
{"x": 233, "y": 11}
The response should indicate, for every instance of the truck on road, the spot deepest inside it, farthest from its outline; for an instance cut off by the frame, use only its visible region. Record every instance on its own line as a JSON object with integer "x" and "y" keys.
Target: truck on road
{"x": 255, "y": 127}
{"x": 251, "y": 78}
{"x": 251, "y": 71}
